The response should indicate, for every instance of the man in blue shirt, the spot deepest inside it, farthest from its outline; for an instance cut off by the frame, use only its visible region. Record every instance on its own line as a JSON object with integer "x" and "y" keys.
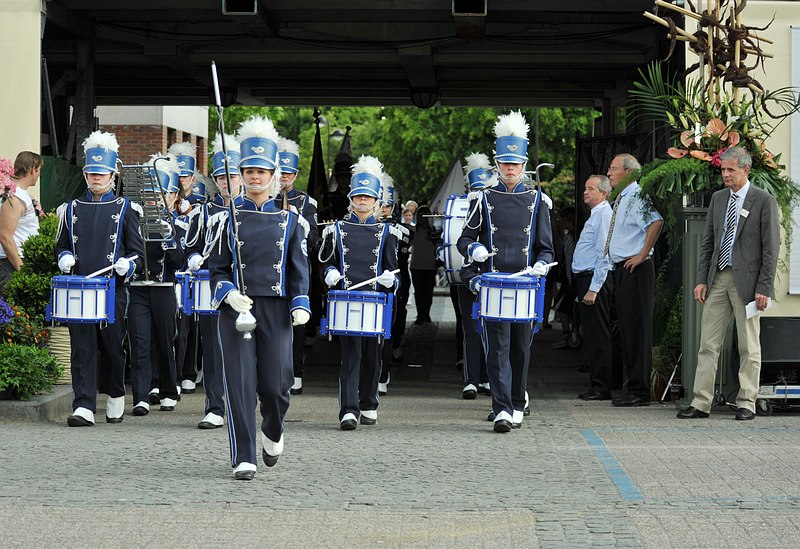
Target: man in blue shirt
{"x": 635, "y": 227}
{"x": 594, "y": 287}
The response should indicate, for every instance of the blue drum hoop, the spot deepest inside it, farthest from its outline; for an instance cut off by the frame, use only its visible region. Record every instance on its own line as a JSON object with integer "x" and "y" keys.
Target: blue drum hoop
{"x": 355, "y": 296}
{"x": 200, "y": 275}
{"x": 79, "y": 283}
{"x": 451, "y": 271}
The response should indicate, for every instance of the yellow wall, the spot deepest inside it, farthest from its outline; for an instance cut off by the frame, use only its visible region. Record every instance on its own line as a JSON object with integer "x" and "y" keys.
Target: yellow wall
{"x": 20, "y": 91}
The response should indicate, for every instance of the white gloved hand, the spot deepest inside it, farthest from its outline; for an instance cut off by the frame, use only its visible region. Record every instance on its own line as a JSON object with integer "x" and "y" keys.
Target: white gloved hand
{"x": 122, "y": 266}
{"x": 238, "y": 302}
{"x": 333, "y": 278}
{"x": 539, "y": 269}
{"x": 300, "y": 316}
{"x": 66, "y": 263}
{"x": 195, "y": 262}
{"x": 386, "y": 279}
{"x": 480, "y": 254}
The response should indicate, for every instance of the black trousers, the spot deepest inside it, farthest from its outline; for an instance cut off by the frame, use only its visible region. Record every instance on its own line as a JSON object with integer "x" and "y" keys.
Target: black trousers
{"x": 459, "y": 324}
{"x": 262, "y": 366}
{"x": 298, "y": 349}
{"x": 424, "y": 281}
{"x": 86, "y": 340}
{"x": 213, "y": 383}
{"x": 359, "y": 374}
{"x": 596, "y": 324}
{"x": 508, "y": 351}
{"x": 400, "y": 304}
{"x": 633, "y": 293}
{"x": 386, "y": 351}
{"x": 186, "y": 345}
{"x": 474, "y": 359}
{"x": 151, "y": 331}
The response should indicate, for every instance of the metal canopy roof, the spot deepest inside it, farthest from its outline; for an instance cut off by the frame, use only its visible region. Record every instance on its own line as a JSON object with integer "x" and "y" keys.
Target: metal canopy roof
{"x": 356, "y": 52}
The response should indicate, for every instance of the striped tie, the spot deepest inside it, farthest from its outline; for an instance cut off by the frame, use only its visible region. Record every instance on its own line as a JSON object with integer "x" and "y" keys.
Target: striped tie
{"x": 611, "y": 225}
{"x": 726, "y": 248}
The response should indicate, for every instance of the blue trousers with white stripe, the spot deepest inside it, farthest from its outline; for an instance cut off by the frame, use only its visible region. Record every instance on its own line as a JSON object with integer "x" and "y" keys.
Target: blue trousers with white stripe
{"x": 508, "y": 351}
{"x": 260, "y": 366}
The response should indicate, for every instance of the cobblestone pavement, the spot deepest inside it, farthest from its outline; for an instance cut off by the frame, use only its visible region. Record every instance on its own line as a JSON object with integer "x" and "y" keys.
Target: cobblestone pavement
{"x": 431, "y": 473}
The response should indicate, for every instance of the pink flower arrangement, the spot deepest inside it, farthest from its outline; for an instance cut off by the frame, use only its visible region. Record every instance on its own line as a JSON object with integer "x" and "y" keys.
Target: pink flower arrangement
{"x": 710, "y": 142}
{"x": 7, "y": 185}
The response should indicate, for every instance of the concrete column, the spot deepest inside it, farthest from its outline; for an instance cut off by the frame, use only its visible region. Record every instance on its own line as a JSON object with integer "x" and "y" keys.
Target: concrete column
{"x": 20, "y": 65}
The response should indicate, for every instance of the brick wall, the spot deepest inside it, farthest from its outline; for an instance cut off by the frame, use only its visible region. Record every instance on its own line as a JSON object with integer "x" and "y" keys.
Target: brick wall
{"x": 138, "y": 142}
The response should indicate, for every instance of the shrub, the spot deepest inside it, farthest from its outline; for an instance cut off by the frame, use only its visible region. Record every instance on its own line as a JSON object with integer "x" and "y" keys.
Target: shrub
{"x": 29, "y": 287}
{"x": 20, "y": 328}
{"x": 27, "y": 370}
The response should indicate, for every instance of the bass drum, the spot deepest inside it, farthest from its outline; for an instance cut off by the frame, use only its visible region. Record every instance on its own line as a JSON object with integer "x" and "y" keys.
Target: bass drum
{"x": 455, "y": 215}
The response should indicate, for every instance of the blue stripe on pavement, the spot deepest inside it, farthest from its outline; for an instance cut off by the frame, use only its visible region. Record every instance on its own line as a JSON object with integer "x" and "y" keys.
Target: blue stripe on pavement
{"x": 625, "y": 485}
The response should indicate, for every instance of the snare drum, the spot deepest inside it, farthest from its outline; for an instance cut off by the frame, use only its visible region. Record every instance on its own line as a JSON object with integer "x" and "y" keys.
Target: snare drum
{"x": 183, "y": 286}
{"x": 81, "y": 300}
{"x": 356, "y": 313}
{"x": 200, "y": 302}
{"x": 455, "y": 215}
{"x": 504, "y": 298}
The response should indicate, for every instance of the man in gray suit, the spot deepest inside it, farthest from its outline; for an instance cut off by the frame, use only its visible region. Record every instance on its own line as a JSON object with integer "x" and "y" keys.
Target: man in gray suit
{"x": 738, "y": 258}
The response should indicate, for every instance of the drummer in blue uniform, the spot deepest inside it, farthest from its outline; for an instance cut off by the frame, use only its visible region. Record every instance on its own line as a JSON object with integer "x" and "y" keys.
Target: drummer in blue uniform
{"x": 198, "y": 237}
{"x": 479, "y": 176}
{"x": 274, "y": 265}
{"x": 153, "y": 307}
{"x": 507, "y": 230}
{"x": 97, "y": 231}
{"x": 355, "y": 250}
{"x": 306, "y": 206}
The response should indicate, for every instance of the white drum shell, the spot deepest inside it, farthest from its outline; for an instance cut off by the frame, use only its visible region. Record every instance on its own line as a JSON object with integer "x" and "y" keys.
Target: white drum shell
{"x": 507, "y": 303}
{"x": 79, "y": 303}
{"x": 356, "y": 317}
{"x": 456, "y": 212}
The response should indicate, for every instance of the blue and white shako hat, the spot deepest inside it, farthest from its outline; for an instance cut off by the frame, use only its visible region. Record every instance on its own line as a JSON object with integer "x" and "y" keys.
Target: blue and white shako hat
{"x": 199, "y": 188}
{"x": 183, "y": 153}
{"x": 387, "y": 190}
{"x": 218, "y": 158}
{"x": 101, "y": 150}
{"x": 258, "y": 143}
{"x": 366, "y": 179}
{"x": 166, "y": 170}
{"x": 289, "y": 153}
{"x": 511, "y": 143}
{"x": 479, "y": 172}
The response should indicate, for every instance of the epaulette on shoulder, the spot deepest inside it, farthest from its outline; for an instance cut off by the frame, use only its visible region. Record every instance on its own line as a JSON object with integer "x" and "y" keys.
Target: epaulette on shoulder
{"x": 303, "y": 223}
{"x": 193, "y": 212}
{"x": 135, "y": 206}
{"x": 547, "y": 200}
{"x": 61, "y": 210}
{"x": 312, "y": 201}
{"x": 328, "y": 230}
{"x": 293, "y": 209}
{"x": 217, "y": 218}
{"x": 395, "y": 231}
{"x": 402, "y": 229}
{"x": 474, "y": 195}
{"x": 182, "y": 223}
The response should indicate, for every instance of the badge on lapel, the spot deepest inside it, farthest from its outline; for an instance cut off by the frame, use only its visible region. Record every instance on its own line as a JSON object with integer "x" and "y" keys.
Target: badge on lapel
{"x": 744, "y": 213}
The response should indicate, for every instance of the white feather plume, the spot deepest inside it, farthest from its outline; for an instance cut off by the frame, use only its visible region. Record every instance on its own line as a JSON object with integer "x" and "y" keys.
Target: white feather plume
{"x": 181, "y": 149}
{"x": 368, "y": 164}
{"x": 512, "y": 123}
{"x": 387, "y": 180}
{"x": 101, "y": 140}
{"x": 476, "y": 160}
{"x": 258, "y": 126}
{"x": 230, "y": 142}
{"x": 168, "y": 164}
{"x": 287, "y": 145}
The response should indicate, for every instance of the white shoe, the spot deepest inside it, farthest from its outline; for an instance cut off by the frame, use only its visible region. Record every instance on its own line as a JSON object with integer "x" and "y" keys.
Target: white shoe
{"x": 142, "y": 408}
{"x": 516, "y": 419}
{"x": 168, "y": 404}
{"x": 115, "y": 409}
{"x": 297, "y": 386}
{"x": 272, "y": 448}
{"x": 244, "y": 471}
{"x": 211, "y": 421}
{"x": 81, "y": 417}
{"x": 383, "y": 388}
{"x": 199, "y": 379}
{"x": 469, "y": 392}
{"x": 503, "y": 415}
{"x": 153, "y": 396}
{"x": 348, "y": 422}
{"x": 187, "y": 386}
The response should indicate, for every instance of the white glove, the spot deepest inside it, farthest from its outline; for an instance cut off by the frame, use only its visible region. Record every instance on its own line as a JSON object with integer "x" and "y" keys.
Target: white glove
{"x": 539, "y": 269}
{"x": 122, "y": 266}
{"x": 386, "y": 279}
{"x": 333, "y": 278}
{"x": 195, "y": 262}
{"x": 480, "y": 254}
{"x": 300, "y": 316}
{"x": 66, "y": 263}
{"x": 238, "y": 302}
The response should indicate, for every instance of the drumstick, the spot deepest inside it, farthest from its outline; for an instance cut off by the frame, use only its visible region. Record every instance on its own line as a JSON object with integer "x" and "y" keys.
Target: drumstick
{"x": 527, "y": 270}
{"x": 370, "y": 281}
{"x": 104, "y": 269}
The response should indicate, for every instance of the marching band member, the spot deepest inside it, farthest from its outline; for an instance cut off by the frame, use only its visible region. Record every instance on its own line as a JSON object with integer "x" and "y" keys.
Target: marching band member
{"x": 307, "y": 207}
{"x": 186, "y": 343}
{"x": 507, "y": 230}
{"x": 97, "y": 231}
{"x": 479, "y": 176}
{"x": 198, "y": 238}
{"x": 153, "y": 307}
{"x": 271, "y": 255}
{"x": 352, "y": 251}
{"x": 399, "y": 309}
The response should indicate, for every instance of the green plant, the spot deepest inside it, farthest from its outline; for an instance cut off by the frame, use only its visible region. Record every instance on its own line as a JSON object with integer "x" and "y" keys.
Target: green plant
{"x": 667, "y": 332}
{"x": 30, "y": 286}
{"x": 27, "y": 370}
{"x": 20, "y": 328}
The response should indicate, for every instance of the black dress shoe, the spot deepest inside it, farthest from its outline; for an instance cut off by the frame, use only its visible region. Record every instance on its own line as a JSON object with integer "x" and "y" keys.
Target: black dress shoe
{"x": 502, "y": 426}
{"x": 628, "y": 401}
{"x": 348, "y": 425}
{"x": 269, "y": 460}
{"x": 153, "y": 398}
{"x": 516, "y": 425}
{"x": 140, "y": 411}
{"x": 79, "y": 421}
{"x": 691, "y": 413}
{"x": 368, "y": 420}
{"x": 526, "y": 411}
{"x": 244, "y": 475}
{"x": 743, "y": 414}
{"x": 469, "y": 394}
{"x": 490, "y": 417}
{"x": 296, "y": 391}
{"x": 594, "y": 395}
{"x": 114, "y": 419}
